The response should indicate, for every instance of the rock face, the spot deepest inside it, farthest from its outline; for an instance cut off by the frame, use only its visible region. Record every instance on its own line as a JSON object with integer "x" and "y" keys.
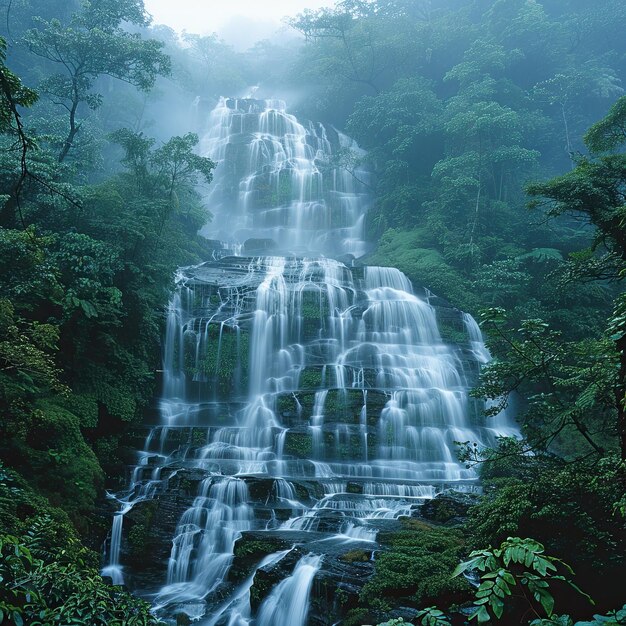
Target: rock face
{"x": 448, "y": 507}
{"x": 307, "y": 404}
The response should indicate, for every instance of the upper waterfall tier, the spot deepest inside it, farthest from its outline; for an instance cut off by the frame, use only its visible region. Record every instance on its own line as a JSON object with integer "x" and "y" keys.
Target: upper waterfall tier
{"x": 279, "y": 182}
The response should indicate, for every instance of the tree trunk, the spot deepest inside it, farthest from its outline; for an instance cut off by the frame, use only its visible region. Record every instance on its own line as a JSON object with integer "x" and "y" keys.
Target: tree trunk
{"x": 620, "y": 395}
{"x": 74, "y": 127}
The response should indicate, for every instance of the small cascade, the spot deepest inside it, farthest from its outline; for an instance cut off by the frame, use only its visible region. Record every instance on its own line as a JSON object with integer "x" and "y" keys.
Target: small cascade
{"x": 479, "y": 349}
{"x": 288, "y": 604}
{"x": 114, "y": 568}
{"x": 307, "y": 402}
{"x": 237, "y": 611}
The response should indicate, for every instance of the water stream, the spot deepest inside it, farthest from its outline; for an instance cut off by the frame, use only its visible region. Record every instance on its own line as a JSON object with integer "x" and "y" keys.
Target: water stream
{"x": 307, "y": 401}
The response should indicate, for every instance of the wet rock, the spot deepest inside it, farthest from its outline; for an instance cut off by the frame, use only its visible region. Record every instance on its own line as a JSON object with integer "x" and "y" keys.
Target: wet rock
{"x": 259, "y": 246}
{"x": 267, "y": 577}
{"x": 250, "y": 549}
{"x": 337, "y": 586}
{"x": 449, "y": 506}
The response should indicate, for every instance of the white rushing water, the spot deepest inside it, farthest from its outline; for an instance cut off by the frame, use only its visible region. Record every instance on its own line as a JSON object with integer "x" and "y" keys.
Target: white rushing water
{"x": 302, "y": 396}
{"x": 276, "y": 180}
{"x": 288, "y": 603}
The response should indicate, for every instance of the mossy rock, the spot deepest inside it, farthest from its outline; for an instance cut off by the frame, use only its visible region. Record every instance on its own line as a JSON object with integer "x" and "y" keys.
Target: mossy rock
{"x": 356, "y": 556}
{"x": 260, "y": 489}
{"x": 414, "y": 567}
{"x": 310, "y": 378}
{"x": 250, "y": 549}
{"x": 286, "y": 404}
{"x": 266, "y": 578}
{"x": 448, "y": 506}
{"x": 299, "y": 444}
{"x": 452, "y": 331}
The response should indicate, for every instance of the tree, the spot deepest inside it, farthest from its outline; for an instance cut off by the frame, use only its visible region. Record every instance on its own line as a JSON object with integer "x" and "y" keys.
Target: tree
{"x": 568, "y": 384}
{"x": 486, "y": 157}
{"x": 594, "y": 193}
{"x": 395, "y": 126}
{"x": 13, "y": 95}
{"x": 92, "y": 45}
{"x": 570, "y": 90}
{"x": 166, "y": 175}
{"x": 214, "y": 67}
{"x": 359, "y": 43}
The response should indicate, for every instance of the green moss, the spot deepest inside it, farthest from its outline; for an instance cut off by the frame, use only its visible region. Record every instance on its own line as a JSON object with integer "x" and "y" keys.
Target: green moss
{"x": 451, "y": 332}
{"x": 225, "y": 362}
{"x": 286, "y": 404}
{"x": 261, "y": 588}
{"x": 256, "y": 548}
{"x": 357, "y": 617}
{"x": 310, "y": 378}
{"x": 283, "y": 192}
{"x": 355, "y": 556}
{"x": 416, "y": 567}
{"x": 311, "y": 311}
{"x": 407, "y": 250}
{"x": 198, "y": 436}
{"x": 138, "y": 538}
{"x": 299, "y": 444}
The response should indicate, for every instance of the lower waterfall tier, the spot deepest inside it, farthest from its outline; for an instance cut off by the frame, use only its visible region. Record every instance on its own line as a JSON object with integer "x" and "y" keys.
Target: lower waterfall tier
{"x": 306, "y": 406}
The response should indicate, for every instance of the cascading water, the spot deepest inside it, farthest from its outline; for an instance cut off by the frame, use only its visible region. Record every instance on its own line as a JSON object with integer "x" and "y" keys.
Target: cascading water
{"x": 277, "y": 181}
{"x": 306, "y": 402}
{"x": 288, "y": 603}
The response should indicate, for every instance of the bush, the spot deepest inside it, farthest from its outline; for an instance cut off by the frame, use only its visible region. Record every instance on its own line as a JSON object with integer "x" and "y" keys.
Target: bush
{"x": 416, "y": 567}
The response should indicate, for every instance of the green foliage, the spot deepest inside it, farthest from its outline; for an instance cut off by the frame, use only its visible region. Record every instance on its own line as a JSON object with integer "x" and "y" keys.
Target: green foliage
{"x": 458, "y": 105}
{"x": 431, "y": 616}
{"x": 569, "y": 385}
{"x": 416, "y": 567}
{"x": 46, "y": 575}
{"x": 12, "y": 93}
{"x": 538, "y": 496}
{"x": 86, "y": 275}
{"x": 41, "y": 587}
{"x": 94, "y": 44}
{"x": 609, "y": 133}
{"x": 517, "y": 562}
{"x": 407, "y": 251}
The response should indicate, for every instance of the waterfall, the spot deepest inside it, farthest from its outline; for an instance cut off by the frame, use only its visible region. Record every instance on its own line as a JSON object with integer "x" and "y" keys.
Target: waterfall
{"x": 271, "y": 181}
{"x": 114, "y": 569}
{"x": 288, "y": 604}
{"x": 303, "y": 395}
{"x": 238, "y": 610}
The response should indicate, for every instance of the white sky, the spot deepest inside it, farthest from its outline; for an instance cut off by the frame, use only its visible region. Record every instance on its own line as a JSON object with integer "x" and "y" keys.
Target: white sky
{"x": 237, "y": 21}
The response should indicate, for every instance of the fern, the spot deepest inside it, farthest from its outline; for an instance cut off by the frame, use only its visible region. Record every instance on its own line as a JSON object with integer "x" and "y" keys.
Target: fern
{"x": 516, "y": 562}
